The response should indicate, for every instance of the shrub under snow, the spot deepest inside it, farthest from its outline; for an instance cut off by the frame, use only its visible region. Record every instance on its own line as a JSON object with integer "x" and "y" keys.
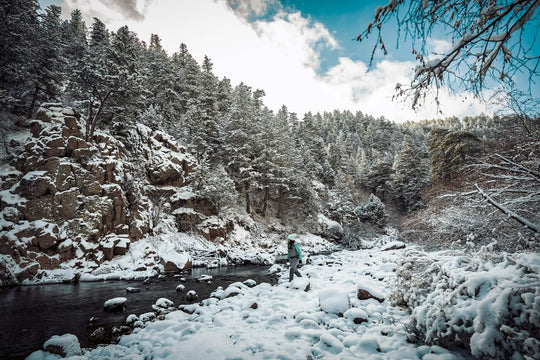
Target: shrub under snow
{"x": 490, "y": 305}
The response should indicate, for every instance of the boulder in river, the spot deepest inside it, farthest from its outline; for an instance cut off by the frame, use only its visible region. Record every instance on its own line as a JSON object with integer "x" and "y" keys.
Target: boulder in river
{"x": 115, "y": 304}
{"x": 192, "y": 295}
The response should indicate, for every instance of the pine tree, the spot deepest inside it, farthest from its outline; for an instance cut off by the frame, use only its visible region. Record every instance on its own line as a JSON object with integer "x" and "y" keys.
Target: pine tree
{"x": 76, "y": 49}
{"x": 97, "y": 77}
{"x": 19, "y": 48}
{"x": 207, "y": 132}
{"x": 449, "y": 151}
{"x": 189, "y": 88}
{"x": 241, "y": 142}
{"x": 49, "y": 64}
{"x": 411, "y": 175}
{"x": 160, "y": 91}
{"x": 124, "y": 77}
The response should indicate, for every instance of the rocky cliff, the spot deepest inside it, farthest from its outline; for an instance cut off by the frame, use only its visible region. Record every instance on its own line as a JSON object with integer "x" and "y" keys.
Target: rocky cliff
{"x": 67, "y": 198}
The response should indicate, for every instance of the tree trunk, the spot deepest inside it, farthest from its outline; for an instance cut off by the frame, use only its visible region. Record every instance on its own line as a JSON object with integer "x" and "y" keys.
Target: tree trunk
{"x": 33, "y": 102}
{"x": 248, "y": 206}
{"x": 280, "y": 205}
{"x": 98, "y": 113}
{"x": 265, "y": 201}
{"x": 88, "y": 119}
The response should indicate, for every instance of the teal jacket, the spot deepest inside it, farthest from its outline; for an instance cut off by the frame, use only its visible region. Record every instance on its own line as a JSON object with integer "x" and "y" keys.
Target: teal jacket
{"x": 294, "y": 251}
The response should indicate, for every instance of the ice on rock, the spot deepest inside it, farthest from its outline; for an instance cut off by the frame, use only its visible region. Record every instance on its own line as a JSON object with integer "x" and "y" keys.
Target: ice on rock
{"x": 388, "y": 267}
{"x": 232, "y": 290}
{"x": 334, "y": 300}
{"x": 393, "y": 245}
{"x": 149, "y": 316}
{"x": 309, "y": 324}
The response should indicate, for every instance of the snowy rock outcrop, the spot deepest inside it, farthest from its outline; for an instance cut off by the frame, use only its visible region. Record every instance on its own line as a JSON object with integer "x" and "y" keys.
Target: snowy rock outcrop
{"x": 64, "y": 197}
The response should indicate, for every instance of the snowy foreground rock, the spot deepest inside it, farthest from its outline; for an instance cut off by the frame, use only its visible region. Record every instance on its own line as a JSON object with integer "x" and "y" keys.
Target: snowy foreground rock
{"x": 286, "y": 321}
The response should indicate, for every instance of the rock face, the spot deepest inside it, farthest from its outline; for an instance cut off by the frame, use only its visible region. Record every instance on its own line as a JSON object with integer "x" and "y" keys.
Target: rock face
{"x": 65, "y": 197}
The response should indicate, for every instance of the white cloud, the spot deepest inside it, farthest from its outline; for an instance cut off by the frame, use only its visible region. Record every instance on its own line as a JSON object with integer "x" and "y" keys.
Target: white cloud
{"x": 280, "y": 55}
{"x": 439, "y": 46}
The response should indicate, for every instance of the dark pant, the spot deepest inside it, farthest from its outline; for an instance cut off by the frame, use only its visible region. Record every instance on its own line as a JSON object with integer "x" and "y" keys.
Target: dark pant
{"x": 293, "y": 270}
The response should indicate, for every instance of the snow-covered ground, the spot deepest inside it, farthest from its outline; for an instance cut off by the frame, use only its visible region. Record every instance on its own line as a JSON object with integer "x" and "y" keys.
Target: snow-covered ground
{"x": 485, "y": 303}
{"x": 317, "y": 316}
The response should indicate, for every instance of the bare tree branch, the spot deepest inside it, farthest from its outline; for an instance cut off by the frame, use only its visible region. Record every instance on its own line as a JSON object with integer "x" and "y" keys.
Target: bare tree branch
{"x": 487, "y": 42}
{"x": 509, "y": 212}
{"x": 528, "y": 171}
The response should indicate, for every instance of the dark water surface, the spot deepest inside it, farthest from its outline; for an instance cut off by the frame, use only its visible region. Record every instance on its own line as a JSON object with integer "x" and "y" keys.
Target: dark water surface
{"x": 30, "y": 315}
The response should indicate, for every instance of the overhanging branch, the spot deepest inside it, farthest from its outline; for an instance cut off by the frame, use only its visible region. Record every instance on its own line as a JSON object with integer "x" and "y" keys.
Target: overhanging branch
{"x": 507, "y": 211}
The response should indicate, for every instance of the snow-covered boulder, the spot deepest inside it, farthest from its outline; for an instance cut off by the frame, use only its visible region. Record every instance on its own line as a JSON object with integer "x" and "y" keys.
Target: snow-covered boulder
{"x": 132, "y": 319}
{"x": 274, "y": 269}
{"x": 64, "y": 345}
{"x": 163, "y": 303}
{"x": 393, "y": 245}
{"x": 163, "y": 306}
{"x": 192, "y": 295}
{"x": 329, "y": 228}
{"x": 334, "y": 300}
{"x": 369, "y": 290}
{"x": 204, "y": 278}
{"x": 115, "y": 304}
{"x": 357, "y": 315}
{"x": 174, "y": 261}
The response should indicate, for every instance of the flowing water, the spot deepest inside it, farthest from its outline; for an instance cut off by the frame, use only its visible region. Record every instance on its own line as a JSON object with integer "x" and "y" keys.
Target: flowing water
{"x": 30, "y": 315}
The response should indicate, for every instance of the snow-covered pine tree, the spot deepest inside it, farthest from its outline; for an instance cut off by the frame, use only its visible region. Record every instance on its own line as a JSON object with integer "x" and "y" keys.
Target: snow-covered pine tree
{"x": 189, "y": 83}
{"x": 207, "y": 130}
{"x": 19, "y": 49}
{"x": 241, "y": 141}
{"x": 449, "y": 150}
{"x": 159, "y": 92}
{"x": 76, "y": 48}
{"x": 48, "y": 65}
{"x": 126, "y": 81}
{"x": 411, "y": 175}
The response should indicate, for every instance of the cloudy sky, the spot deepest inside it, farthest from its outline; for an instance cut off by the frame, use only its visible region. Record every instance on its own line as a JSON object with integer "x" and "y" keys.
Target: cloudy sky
{"x": 300, "y": 52}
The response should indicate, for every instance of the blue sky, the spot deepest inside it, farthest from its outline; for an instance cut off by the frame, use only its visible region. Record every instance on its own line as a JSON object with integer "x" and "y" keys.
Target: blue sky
{"x": 301, "y": 52}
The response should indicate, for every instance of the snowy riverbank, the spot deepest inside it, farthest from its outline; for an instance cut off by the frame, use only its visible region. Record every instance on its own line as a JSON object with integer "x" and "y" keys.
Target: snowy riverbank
{"x": 340, "y": 309}
{"x": 156, "y": 255}
{"x": 285, "y": 321}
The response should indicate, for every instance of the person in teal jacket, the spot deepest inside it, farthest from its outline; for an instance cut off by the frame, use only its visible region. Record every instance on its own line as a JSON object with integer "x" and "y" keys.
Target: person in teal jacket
{"x": 294, "y": 256}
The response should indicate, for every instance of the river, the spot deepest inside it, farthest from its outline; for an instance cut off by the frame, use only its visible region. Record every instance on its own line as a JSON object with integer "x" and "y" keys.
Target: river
{"x": 30, "y": 315}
